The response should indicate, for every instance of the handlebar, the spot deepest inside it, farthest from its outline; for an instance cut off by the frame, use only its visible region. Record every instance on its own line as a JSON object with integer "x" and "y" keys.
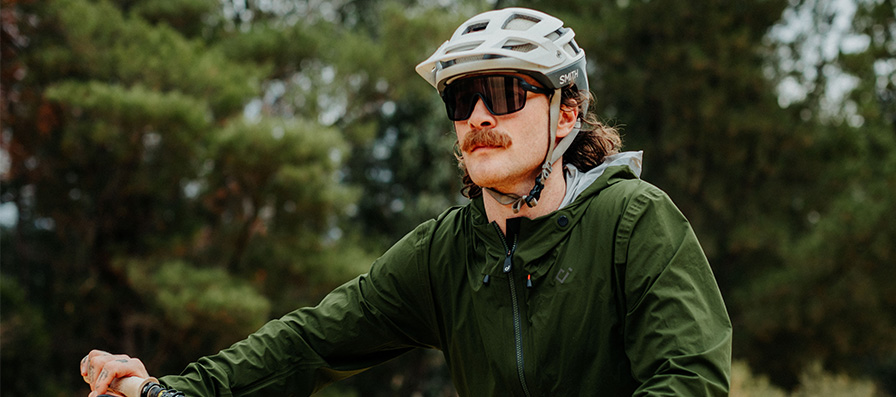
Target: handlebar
{"x": 133, "y": 386}
{"x": 127, "y": 387}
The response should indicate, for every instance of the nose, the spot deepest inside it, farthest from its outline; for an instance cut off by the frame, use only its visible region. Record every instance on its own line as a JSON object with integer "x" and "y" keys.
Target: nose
{"x": 481, "y": 116}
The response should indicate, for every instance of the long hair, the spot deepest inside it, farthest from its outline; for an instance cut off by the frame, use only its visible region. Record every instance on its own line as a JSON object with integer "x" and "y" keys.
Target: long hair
{"x": 594, "y": 142}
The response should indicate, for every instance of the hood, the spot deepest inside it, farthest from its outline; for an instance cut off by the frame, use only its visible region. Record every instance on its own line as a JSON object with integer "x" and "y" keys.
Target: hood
{"x": 577, "y": 181}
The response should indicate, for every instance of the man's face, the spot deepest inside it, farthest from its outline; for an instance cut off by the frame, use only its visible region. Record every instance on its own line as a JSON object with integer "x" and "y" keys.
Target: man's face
{"x": 505, "y": 152}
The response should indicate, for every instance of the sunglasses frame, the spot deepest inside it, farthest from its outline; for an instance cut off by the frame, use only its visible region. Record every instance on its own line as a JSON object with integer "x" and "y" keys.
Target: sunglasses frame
{"x": 451, "y": 99}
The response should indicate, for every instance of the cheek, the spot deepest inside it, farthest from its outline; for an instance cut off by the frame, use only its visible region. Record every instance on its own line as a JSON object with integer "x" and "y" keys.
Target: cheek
{"x": 458, "y": 131}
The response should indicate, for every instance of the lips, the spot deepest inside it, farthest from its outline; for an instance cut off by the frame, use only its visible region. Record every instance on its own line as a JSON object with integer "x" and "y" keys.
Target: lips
{"x": 486, "y": 147}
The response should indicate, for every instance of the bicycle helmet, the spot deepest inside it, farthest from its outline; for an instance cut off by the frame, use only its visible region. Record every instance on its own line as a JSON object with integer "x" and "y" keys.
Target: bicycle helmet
{"x": 515, "y": 40}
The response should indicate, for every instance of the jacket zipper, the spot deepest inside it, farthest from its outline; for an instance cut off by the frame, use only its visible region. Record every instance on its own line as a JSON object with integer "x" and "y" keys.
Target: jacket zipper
{"x": 517, "y": 320}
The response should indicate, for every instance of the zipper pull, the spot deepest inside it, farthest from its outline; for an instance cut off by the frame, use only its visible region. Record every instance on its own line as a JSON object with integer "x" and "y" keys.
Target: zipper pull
{"x": 486, "y": 279}
{"x": 508, "y": 263}
{"x": 529, "y": 281}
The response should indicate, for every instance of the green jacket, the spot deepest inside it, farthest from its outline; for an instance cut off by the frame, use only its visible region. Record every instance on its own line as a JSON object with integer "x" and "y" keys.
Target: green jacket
{"x": 622, "y": 302}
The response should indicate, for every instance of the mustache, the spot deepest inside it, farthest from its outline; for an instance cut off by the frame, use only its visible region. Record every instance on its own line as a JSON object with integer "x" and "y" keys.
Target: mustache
{"x": 485, "y": 137}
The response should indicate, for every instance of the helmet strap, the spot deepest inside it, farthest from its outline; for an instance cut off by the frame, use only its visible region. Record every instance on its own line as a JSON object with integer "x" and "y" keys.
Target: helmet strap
{"x": 553, "y": 154}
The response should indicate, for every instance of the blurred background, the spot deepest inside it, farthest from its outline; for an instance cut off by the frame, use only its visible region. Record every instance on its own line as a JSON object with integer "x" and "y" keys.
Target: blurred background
{"x": 177, "y": 172}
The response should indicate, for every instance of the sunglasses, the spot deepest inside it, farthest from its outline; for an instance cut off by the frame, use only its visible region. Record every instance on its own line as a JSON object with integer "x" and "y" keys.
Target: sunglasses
{"x": 501, "y": 95}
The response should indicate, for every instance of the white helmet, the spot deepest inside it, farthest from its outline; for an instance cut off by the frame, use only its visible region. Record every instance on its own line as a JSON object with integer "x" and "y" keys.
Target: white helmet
{"x": 515, "y": 40}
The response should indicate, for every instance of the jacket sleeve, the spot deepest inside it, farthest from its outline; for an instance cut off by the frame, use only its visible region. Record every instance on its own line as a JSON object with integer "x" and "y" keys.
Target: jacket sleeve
{"x": 366, "y": 321}
{"x": 677, "y": 330}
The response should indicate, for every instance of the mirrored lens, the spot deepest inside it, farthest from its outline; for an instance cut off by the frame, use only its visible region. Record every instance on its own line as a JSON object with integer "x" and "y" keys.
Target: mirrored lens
{"x": 501, "y": 95}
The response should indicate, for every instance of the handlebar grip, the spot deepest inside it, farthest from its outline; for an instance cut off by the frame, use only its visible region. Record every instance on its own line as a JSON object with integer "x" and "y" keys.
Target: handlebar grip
{"x": 130, "y": 386}
{"x": 133, "y": 386}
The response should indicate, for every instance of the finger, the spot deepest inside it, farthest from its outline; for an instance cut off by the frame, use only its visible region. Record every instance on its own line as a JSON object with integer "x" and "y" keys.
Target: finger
{"x": 120, "y": 367}
{"x": 88, "y": 364}
{"x": 107, "y": 373}
{"x": 89, "y": 371}
{"x": 97, "y": 363}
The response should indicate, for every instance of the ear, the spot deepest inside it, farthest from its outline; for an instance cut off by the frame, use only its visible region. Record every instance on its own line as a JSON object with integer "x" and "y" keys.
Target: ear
{"x": 568, "y": 118}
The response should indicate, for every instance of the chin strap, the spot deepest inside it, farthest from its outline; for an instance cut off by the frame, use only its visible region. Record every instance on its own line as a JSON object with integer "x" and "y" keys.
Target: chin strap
{"x": 516, "y": 200}
{"x": 553, "y": 154}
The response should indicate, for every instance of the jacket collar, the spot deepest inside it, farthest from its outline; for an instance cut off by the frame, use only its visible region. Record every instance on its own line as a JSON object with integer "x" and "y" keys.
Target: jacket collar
{"x": 578, "y": 181}
{"x": 538, "y": 237}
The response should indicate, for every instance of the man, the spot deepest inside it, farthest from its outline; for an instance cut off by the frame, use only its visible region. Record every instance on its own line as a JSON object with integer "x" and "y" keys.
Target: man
{"x": 565, "y": 274}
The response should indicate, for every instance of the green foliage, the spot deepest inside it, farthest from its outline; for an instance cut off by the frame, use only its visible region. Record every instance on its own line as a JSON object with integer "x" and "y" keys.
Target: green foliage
{"x": 185, "y": 170}
{"x": 189, "y": 297}
{"x": 97, "y": 42}
{"x": 286, "y": 167}
{"x": 686, "y": 81}
{"x": 744, "y": 383}
{"x": 830, "y": 301}
{"x": 834, "y": 299}
{"x": 814, "y": 382}
{"x": 407, "y": 170}
{"x": 153, "y": 218}
{"x": 271, "y": 185}
{"x": 130, "y": 106}
{"x": 182, "y": 15}
{"x": 23, "y": 334}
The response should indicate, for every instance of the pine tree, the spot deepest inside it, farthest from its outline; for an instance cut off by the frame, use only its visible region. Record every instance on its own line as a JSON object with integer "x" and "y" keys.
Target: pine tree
{"x": 156, "y": 215}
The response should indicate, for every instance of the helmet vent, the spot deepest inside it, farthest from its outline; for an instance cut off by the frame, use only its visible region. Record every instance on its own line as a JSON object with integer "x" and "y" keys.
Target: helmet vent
{"x": 553, "y": 36}
{"x": 478, "y": 27}
{"x": 462, "y": 60}
{"x": 520, "y": 22}
{"x": 525, "y": 47}
{"x": 463, "y": 48}
{"x": 575, "y": 47}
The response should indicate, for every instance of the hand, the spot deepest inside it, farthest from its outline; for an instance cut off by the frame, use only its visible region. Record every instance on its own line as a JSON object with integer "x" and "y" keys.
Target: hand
{"x": 99, "y": 368}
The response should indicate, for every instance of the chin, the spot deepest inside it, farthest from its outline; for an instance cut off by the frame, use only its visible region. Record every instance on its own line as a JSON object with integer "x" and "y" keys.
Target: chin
{"x": 487, "y": 179}
{"x": 482, "y": 180}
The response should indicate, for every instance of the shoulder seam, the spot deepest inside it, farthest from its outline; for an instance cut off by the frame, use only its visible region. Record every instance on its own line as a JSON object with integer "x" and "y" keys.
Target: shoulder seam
{"x": 643, "y": 194}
